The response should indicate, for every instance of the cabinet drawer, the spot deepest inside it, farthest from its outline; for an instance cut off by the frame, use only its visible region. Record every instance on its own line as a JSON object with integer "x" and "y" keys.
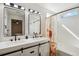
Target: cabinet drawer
{"x": 44, "y": 49}
{"x": 30, "y": 51}
{"x": 14, "y": 54}
{"x": 6, "y": 50}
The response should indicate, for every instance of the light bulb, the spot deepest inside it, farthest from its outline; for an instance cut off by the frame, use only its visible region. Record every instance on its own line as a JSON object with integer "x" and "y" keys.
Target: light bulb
{"x": 36, "y": 12}
{"x": 31, "y": 10}
{"x": 7, "y": 3}
{"x": 22, "y": 8}
{"x": 16, "y": 6}
{"x": 39, "y": 13}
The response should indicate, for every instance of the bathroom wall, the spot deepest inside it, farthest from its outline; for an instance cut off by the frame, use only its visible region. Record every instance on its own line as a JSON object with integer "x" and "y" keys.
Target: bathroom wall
{"x": 67, "y": 32}
{"x": 1, "y": 19}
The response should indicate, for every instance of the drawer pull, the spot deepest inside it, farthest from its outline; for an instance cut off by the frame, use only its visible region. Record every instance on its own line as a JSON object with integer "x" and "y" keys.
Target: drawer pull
{"x": 39, "y": 54}
{"x": 32, "y": 52}
{"x": 21, "y": 50}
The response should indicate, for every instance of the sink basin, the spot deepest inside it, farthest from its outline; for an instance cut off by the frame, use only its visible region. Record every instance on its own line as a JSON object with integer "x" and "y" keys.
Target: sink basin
{"x": 9, "y": 44}
{"x": 21, "y": 42}
{"x": 4, "y": 45}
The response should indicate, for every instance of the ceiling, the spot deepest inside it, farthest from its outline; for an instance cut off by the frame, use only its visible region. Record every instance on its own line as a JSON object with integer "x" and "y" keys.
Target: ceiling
{"x": 57, "y": 7}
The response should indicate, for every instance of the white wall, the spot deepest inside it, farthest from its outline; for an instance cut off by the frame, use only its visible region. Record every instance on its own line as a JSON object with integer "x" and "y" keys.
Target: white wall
{"x": 1, "y": 20}
{"x": 66, "y": 41}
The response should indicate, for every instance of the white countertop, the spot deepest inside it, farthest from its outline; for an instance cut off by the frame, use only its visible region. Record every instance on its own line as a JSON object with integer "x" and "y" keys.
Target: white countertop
{"x": 9, "y": 44}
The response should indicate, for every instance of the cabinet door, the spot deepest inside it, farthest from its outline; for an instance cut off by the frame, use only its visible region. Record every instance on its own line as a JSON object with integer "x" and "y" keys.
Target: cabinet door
{"x": 30, "y": 51}
{"x": 14, "y": 54}
{"x": 44, "y": 49}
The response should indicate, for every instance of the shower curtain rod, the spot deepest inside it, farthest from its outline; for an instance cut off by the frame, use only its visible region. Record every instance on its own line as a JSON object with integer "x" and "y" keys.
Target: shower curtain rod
{"x": 64, "y": 11}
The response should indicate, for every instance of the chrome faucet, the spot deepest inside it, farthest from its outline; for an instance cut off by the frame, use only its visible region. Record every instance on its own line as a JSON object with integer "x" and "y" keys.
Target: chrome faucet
{"x": 35, "y": 34}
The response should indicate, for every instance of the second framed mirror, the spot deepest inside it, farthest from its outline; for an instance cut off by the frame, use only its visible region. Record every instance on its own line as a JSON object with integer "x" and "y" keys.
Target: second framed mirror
{"x": 34, "y": 22}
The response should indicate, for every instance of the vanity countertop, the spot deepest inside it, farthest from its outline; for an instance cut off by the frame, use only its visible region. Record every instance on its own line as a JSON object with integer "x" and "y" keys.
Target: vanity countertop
{"x": 29, "y": 42}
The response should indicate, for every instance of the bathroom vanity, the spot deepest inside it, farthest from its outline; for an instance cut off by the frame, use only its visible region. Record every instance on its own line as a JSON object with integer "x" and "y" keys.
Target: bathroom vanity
{"x": 21, "y": 22}
{"x": 25, "y": 47}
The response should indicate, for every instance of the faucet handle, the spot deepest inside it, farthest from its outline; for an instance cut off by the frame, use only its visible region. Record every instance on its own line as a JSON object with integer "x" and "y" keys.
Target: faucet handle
{"x": 11, "y": 39}
{"x": 26, "y": 37}
{"x": 18, "y": 38}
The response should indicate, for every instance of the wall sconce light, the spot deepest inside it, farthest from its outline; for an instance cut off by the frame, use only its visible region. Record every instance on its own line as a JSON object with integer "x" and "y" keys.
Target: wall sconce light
{"x": 8, "y": 4}
{"x": 22, "y": 8}
{"x": 19, "y": 7}
{"x": 33, "y": 11}
{"x": 11, "y": 4}
{"x": 36, "y": 12}
{"x": 39, "y": 13}
{"x": 15, "y": 6}
{"x": 30, "y": 10}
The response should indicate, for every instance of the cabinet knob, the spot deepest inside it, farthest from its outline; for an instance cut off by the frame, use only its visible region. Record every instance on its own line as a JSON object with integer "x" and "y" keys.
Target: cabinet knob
{"x": 39, "y": 54}
{"x": 32, "y": 52}
{"x": 21, "y": 50}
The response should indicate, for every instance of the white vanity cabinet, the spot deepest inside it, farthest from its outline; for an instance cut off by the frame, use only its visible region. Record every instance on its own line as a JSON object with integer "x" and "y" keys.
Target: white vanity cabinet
{"x": 38, "y": 50}
{"x": 44, "y": 49}
{"x": 33, "y": 51}
{"x": 25, "y": 48}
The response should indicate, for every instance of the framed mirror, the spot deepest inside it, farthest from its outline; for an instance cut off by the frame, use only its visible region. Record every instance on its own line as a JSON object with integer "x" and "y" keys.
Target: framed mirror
{"x": 14, "y": 21}
{"x": 34, "y": 22}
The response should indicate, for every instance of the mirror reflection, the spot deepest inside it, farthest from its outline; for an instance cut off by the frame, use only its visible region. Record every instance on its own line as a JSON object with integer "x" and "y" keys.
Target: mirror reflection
{"x": 34, "y": 23}
{"x": 14, "y": 21}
